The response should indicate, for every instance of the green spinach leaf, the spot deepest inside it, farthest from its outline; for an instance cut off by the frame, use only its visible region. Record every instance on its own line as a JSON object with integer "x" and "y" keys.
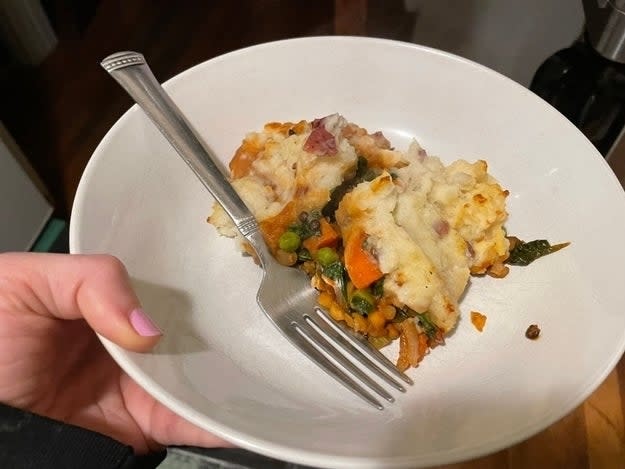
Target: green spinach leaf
{"x": 427, "y": 325}
{"x": 336, "y": 272}
{"x": 524, "y": 253}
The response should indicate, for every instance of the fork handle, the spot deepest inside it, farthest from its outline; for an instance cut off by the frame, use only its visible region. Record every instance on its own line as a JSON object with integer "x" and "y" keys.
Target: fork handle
{"x": 132, "y": 72}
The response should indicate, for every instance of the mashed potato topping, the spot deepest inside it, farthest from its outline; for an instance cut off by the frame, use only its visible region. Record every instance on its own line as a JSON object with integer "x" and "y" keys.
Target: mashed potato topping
{"x": 389, "y": 238}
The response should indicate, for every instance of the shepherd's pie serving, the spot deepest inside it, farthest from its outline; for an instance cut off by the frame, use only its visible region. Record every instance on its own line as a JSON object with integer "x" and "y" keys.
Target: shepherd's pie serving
{"x": 388, "y": 237}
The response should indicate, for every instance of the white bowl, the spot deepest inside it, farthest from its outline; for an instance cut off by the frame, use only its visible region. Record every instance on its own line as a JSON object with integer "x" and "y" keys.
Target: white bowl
{"x": 223, "y": 366}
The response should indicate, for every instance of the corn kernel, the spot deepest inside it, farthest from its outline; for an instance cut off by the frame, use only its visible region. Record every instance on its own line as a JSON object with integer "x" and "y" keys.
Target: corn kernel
{"x": 376, "y": 332}
{"x": 337, "y": 312}
{"x": 360, "y": 323}
{"x": 325, "y": 300}
{"x": 388, "y": 311}
{"x": 377, "y": 319}
{"x": 392, "y": 331}
{"x": 348, "y": 320}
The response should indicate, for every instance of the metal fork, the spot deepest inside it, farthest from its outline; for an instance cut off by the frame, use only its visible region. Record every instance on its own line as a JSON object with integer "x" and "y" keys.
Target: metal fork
{"x": 285, "y": 294}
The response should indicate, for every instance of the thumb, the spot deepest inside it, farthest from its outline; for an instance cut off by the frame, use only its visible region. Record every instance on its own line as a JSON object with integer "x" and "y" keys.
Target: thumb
{"x": 94, "y": 287}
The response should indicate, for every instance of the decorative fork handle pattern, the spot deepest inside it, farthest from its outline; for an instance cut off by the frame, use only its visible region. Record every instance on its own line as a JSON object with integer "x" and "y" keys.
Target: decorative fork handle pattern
{"x": 132, "y": 72}
{"x": 121, "y": 60}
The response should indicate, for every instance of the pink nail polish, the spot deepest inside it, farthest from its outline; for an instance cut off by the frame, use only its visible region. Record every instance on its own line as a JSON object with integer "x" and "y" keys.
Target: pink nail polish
{"x": 142, "y": 323}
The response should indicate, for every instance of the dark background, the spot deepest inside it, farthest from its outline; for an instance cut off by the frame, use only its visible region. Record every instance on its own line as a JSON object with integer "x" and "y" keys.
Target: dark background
{"x": 59, "y": 110}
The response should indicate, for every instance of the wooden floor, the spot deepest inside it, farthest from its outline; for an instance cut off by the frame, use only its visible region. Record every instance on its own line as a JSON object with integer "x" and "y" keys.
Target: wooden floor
{"x": 59, "y": 111}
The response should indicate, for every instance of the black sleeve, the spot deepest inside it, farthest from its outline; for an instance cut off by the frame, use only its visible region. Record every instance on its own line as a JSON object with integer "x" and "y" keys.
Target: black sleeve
{"x": 31, "y": 441}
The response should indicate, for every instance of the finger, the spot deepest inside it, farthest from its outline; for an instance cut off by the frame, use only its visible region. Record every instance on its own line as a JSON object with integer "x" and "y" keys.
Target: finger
{"x": 179, "y": 431}
{"x": 94, "y": 287}
{"x": 164, "y": 426}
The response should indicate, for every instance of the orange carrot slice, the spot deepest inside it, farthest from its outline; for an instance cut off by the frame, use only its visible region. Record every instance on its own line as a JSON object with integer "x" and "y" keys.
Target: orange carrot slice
{"x": 327, "y": 237}
{"x": 362, "y": 268}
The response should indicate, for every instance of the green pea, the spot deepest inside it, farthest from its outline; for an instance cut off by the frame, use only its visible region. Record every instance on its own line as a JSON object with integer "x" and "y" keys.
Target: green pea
{"x": 289, "y": 241}
{"x": 327, "y": 256}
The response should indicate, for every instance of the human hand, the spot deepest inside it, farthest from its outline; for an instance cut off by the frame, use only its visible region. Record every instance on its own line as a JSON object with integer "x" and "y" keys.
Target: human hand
{"x": 52, "y": 363}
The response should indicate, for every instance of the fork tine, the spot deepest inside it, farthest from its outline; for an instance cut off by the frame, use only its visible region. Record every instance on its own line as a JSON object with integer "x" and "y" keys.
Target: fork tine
{"x": 364, "y": 347}
{"x": 322, "y": 361}
{"x": 355, "y": 353}
{"x": 326, "y": 346}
